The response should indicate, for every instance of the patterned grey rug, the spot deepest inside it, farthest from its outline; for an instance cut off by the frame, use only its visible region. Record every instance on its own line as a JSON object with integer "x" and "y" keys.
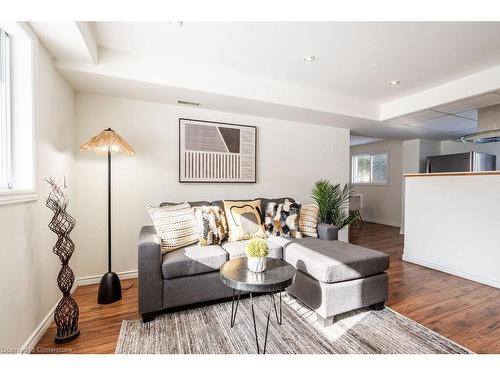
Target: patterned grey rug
{"x": 206, "y": 330}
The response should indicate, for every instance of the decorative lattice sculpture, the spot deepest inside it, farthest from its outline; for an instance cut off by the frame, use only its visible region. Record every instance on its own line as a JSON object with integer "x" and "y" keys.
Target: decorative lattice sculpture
{"x": 67, "y": 312}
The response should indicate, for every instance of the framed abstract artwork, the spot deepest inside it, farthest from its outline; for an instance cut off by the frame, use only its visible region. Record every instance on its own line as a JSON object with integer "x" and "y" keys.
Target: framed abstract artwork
{"x": 217, "y": 152}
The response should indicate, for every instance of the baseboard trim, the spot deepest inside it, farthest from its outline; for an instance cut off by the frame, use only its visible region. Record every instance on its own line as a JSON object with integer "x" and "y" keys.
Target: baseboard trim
{"x": 453, "y": 271}
{"x": 37, "y": 334}
{"x": 383, "y": 222}
{"x": 91, "y": 280}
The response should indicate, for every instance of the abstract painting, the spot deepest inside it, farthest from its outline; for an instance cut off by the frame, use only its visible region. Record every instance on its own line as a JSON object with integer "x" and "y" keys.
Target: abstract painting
{"x": 216, "y": 152}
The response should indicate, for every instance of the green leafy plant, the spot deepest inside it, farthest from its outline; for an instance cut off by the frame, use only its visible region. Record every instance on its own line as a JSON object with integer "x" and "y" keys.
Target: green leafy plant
{"x": 257, "y": 247}
{"x": 333, "y": 202}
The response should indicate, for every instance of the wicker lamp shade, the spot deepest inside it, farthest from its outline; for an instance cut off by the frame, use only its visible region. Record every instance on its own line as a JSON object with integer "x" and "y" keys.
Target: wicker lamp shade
{"x": 108, "y": 140}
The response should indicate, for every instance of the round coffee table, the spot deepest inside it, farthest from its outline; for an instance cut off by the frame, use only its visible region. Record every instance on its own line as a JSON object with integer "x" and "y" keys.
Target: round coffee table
{"x": 277, "y": 276}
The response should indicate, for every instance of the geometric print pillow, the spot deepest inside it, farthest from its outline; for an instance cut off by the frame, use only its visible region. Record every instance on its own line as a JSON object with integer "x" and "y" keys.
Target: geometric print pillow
{"x": 211, "y": 225}
{"x": 175, "y": 225}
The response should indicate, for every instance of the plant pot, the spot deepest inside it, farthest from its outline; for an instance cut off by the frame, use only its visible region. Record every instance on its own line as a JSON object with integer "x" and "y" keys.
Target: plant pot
{"x": 328, "y": 232}
{"x": 257, "y": 264}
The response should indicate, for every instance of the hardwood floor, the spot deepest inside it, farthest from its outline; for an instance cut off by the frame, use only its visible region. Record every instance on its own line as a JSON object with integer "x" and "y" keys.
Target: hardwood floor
{"x": 462, "y": 310}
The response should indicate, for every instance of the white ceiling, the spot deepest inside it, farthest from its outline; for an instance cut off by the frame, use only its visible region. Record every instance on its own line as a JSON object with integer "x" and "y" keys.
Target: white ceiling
{"x": 77, "y": 42}
{"x": 447, "y": 70}
{"x": 352, "y": 58}
{"x": 357, "y": 140}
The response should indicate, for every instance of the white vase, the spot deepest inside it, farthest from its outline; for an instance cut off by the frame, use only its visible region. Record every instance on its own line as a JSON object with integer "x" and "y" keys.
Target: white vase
{"x": 257, "y": 264}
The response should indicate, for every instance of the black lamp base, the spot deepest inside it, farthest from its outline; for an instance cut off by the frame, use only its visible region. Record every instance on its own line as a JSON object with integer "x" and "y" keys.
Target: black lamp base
{"x": 110, "y": 289}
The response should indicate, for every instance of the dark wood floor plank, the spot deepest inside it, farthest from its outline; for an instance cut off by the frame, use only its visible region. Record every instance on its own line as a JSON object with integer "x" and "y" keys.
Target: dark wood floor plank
{"x": 462, "y": 310}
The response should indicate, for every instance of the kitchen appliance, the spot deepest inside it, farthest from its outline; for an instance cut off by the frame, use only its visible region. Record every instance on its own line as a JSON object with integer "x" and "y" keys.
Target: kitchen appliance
{"x": 463, "y": 162}
{"x": 488, "y": 121}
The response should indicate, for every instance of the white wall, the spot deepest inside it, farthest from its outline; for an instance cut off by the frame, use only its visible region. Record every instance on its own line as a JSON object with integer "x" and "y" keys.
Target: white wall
{"x": 28, "y": 287}
{"x": 382, "y": 203}
{"x": 452, "y": 225}
{"x": 290, "y": 157}
{"x": 450, "y": 147}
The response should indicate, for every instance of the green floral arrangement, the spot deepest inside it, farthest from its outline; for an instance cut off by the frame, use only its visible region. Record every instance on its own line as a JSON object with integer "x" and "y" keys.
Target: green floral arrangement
{"x": 257, "y": 247}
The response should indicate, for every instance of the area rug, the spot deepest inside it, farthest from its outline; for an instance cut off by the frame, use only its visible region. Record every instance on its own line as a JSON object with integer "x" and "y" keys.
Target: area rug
{"x": 206, "y": 330}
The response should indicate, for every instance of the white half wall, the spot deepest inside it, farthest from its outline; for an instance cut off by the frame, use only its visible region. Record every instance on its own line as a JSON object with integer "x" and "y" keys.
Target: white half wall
{"x": 28, "y": 287}
{"x": 415, "y": 152}
{"x": 290, "y": 157}
{"x": 382, "y": 203}
{"x": 452, "y": 225}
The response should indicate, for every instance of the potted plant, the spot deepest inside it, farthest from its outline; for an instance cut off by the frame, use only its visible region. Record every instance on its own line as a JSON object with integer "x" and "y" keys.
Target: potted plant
{"x": 333, "y": 202}
{"x": 257, "y": 250}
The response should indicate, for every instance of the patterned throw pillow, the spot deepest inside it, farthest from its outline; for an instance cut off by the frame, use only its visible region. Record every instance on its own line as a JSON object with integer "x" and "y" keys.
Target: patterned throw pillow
{"x": 285, "y": 219}
{"x": 244, "y": 220}
{"x": 308, "y": 220}
{"x": 175, "y": 225}
{"x": 211, "y": 224}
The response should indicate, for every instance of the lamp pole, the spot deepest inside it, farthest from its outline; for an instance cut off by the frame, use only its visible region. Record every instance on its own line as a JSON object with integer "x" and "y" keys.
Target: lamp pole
{"x": 109, "y": 209}
{"x": 110, "y": 289}
{"x": 106, "y": 142}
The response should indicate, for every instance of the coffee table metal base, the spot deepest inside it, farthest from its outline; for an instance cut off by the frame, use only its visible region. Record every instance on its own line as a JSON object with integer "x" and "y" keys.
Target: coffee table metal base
{"x": 272, "y": 302}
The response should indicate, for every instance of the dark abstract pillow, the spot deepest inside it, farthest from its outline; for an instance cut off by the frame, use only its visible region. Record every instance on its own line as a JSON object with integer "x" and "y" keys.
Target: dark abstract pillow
{"x": 283, "y": 219}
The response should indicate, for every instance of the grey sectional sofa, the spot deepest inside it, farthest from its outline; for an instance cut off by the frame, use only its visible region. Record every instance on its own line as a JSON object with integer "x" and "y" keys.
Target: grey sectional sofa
{"x": 332, "y": 276}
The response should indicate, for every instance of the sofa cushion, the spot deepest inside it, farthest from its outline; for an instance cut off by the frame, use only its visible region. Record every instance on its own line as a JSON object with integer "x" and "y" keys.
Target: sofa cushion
{"x": 236, "y": 249}
{"x": 333, "y": 261}
{"x": 192, "y": 260}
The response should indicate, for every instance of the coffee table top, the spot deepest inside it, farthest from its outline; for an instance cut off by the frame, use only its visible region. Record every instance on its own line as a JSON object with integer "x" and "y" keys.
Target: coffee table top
{"x": 277, "y": 276}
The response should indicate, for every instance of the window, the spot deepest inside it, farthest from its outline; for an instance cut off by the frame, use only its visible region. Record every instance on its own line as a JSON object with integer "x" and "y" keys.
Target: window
{"x": 18, "y": 46}
{"x": 370, "y": 168}
{"x": 5, "y": 138}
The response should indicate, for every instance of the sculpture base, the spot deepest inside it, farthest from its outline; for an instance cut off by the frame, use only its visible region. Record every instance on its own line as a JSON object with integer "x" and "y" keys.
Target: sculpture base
{"x": 110, "y": 289}
{"x": 71, "y": 337}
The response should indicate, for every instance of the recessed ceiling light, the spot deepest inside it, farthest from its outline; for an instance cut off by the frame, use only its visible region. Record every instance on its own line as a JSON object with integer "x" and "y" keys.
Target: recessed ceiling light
{"x": 176, "y": 23}
{"x": 309, "y": 58}
{"x": 394, "y": 83}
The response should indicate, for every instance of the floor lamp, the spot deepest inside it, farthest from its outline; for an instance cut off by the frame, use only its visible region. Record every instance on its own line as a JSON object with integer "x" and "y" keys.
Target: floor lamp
{"x": 105, "y": 143}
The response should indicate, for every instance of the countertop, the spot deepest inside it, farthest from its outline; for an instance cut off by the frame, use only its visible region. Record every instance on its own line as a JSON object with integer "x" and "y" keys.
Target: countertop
{"x": 485, "y": 173}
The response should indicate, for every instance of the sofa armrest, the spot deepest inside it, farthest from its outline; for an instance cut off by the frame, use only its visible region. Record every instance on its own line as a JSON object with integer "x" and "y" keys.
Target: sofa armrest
{"x": 149, "y": 271}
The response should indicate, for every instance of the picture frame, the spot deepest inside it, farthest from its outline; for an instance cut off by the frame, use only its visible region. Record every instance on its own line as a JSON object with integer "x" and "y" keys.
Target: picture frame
{"x": 217, "y": 152}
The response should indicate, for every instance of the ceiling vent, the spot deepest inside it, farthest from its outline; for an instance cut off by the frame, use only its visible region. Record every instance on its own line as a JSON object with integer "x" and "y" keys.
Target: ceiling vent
{"x": 188, "y": 103}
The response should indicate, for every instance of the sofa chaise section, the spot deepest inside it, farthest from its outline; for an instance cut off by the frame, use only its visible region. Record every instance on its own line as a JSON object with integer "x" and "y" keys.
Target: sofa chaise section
{"x": 334, "y": 261}
{"x": 335, "y": 277}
